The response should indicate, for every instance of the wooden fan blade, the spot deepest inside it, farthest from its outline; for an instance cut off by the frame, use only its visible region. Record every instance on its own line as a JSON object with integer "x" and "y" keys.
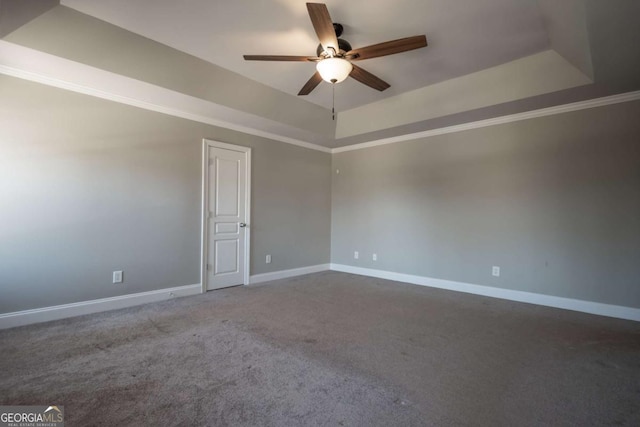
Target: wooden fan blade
{"x": 279, "y": 58}
{"x": 387, "y": 48}
{"x": 311, "y": 84}
{"x": 368, "y": 79}
{"x": 323, "y": 25}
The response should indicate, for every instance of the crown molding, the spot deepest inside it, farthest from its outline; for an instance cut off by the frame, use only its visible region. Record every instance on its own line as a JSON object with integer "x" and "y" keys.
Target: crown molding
{"x": 29, "y": 64}
{"x": 543, "y": 112}
{"x": 21, "y": 62}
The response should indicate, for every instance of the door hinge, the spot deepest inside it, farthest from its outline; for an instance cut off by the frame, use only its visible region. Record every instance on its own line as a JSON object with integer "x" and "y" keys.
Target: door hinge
{"x": 208, "y": 267}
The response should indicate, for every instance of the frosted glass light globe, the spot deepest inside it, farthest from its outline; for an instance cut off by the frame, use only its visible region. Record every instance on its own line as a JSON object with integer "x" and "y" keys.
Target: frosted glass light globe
{"x": 334, "y": 70}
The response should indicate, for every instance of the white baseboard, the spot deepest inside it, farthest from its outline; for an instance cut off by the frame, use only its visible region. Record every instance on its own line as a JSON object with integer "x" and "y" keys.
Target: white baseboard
{"x": 621, "y": 312}
{"x": 283, "y": 274}
{"x": 26, "y": 317}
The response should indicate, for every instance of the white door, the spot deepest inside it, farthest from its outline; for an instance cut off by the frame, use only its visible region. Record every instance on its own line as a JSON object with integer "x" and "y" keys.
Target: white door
{"x": 226, "y": 214}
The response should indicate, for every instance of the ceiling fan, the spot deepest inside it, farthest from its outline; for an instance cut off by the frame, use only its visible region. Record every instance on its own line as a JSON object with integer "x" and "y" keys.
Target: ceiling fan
{"x": 334, "y": 55}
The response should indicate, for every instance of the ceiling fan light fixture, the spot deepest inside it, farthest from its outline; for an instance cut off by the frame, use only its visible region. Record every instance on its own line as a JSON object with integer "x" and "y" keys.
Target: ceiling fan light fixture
{"x": 334, "y": 70}
{"x": 332, "y": 53}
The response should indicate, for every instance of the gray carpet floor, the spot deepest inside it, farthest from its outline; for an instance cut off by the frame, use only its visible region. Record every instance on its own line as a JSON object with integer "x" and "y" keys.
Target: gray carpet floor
{"x": 329, "y": 349}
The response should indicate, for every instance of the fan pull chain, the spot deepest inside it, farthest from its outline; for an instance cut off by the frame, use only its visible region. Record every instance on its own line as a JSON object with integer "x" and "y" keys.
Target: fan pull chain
{"x": 333, "y": 101}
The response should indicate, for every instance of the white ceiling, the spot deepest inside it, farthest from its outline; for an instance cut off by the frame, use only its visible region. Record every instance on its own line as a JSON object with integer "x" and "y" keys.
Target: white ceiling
{"x": 464, "y": 36}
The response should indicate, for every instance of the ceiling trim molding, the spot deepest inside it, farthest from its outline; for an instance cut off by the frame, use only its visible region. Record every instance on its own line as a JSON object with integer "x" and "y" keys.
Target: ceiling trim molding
{"x": 49, "y": 81}
{"x": 29, "y": 64}
{"x": 39, "y": 67}
{"x": 511, "y": 81}
{"x": 543, "y": 112}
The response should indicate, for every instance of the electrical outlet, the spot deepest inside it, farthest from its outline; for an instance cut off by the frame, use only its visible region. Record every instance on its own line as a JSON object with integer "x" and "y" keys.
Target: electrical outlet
{"x": 495, "y": 271}
{"x": 375, "y": 257}
{"x": 356, "y": 255}
{"x": 117, "y": 276}
{"x": 268, "y": 259}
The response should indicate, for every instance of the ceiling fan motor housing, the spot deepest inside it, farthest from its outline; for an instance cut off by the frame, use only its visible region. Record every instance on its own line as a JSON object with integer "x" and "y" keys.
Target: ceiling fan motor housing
{"x": 343, "y": 45}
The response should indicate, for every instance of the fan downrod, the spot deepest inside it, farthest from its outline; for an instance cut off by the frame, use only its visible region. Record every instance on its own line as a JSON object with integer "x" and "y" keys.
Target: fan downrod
{"x": 338, "y": 28}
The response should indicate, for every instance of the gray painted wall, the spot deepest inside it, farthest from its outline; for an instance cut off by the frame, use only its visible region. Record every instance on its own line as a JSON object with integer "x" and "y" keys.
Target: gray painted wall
{"x": 553, "y": 201}
{"x": 88, "y": 186}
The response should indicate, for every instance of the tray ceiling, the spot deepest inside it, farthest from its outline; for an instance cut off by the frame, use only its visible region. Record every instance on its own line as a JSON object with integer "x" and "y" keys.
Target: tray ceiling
{"x": 464, "y": 36}
{"x": 485, "y": 58}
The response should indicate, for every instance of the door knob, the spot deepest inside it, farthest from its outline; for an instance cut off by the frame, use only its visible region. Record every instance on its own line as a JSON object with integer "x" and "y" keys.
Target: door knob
{"x": 242, "y": 225}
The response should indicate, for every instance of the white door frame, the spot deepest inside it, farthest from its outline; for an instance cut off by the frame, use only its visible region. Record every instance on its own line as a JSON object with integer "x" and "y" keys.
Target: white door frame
{"x": 206, "y": 145}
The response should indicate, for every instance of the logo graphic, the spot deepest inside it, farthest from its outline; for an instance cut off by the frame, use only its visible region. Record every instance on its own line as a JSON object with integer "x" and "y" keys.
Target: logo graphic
{"x": 32, "y": 416}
